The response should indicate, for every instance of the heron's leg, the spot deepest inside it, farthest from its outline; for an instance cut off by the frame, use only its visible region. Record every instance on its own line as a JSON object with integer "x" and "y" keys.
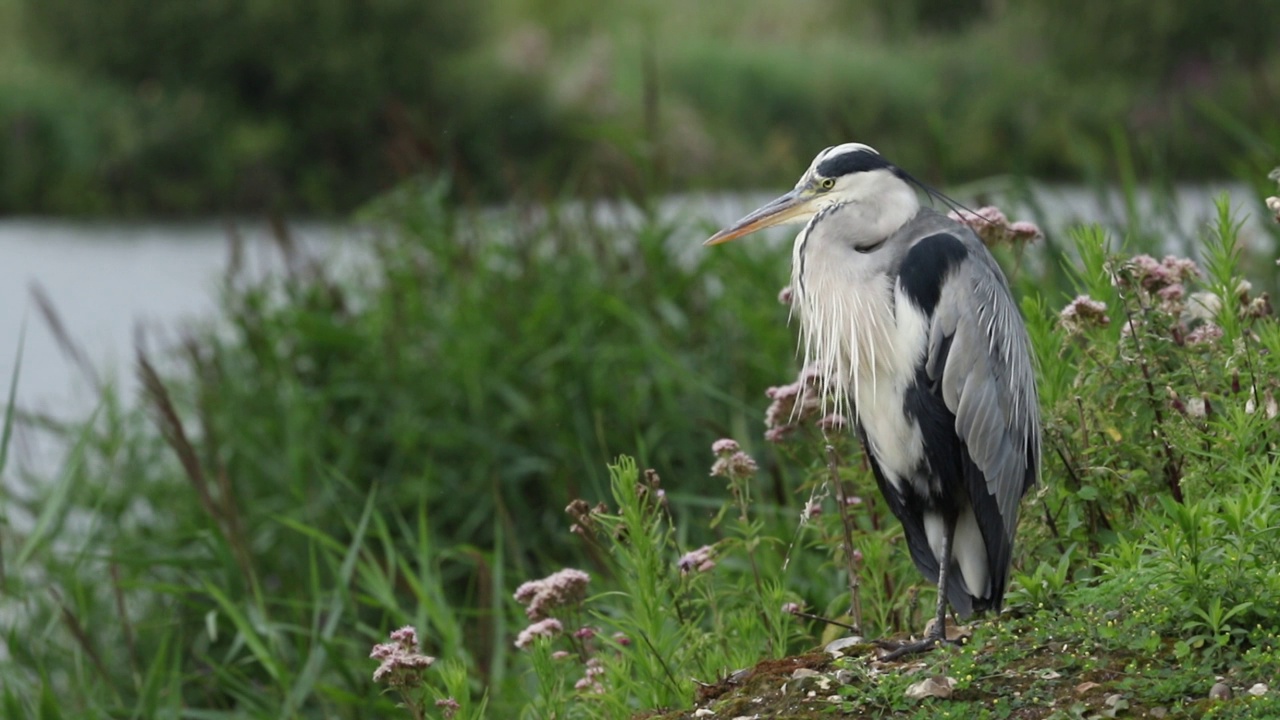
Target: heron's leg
{"x": 938, "y": 633}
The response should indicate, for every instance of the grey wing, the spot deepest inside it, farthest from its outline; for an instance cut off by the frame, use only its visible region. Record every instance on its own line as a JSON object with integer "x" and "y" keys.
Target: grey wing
{"x": 987, "y": 376}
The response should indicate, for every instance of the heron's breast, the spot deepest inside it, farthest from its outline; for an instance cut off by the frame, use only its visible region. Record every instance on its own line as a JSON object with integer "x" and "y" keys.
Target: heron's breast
{"x": 894, "y": 436}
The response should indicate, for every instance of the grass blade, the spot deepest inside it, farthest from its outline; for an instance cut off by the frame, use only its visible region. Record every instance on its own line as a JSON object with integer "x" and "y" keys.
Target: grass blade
{"x": 306, "y": 679}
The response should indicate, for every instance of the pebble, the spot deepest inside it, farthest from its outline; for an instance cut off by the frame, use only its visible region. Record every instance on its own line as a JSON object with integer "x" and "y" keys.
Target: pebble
{"x": 1259, "y": 690}
{"x": 1219, "y": 691}
{"x": 938, "y": 687}
{"x": 835, "y": 647}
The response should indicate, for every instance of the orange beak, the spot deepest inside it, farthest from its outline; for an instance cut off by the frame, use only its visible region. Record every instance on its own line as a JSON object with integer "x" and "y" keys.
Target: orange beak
{"x": 791, "y": 207}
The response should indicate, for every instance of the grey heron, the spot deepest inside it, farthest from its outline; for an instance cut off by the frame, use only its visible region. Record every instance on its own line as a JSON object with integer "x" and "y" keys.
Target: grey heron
{"x": 910, "y": 322}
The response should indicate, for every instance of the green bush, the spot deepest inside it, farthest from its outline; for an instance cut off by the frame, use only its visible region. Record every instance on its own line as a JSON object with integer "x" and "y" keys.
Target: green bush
{"x": 1153, "y": 40}
{"x": 263, "y": 104}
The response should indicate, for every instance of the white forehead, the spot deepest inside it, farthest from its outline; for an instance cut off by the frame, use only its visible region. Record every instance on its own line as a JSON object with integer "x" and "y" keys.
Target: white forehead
{"x": 839, "y": 150}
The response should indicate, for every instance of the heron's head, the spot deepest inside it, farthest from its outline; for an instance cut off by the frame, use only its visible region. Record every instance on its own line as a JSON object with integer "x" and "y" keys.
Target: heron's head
{"x": 849, "y": 174}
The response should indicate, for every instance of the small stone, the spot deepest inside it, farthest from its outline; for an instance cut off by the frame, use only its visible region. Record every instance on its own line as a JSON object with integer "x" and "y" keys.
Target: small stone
{"x": 804, "y": 673}
{"x": 844, "y": 677}
{"x": 704, "y": 712}
{"x": 1085, "y": 687}
{"x": 1259, "y": 690}
{"x": 1219, "y": 691}
{"x": 937, "y": 686}
{"x": 836, "y": 647}
{"x": 1048, "y": 674}
{"x": 955, "y": 633}
{"x": 1158, "y": 712}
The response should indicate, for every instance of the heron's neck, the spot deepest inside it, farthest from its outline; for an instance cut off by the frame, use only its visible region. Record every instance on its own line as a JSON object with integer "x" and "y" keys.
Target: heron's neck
{"x": 848, "y": 331}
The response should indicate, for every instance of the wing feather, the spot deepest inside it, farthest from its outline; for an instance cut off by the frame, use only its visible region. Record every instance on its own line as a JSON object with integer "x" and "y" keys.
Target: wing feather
{"x": 987, "y": 378}
{"x": 978, "y": 361}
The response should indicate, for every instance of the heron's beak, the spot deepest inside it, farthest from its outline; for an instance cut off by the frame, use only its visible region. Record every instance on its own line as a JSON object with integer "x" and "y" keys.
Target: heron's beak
{"x": 791, "y": 207}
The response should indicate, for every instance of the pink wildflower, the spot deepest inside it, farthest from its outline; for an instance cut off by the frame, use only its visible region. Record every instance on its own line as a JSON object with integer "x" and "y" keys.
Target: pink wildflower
{"x": 785, "y": 295}
{"x": 778, "y": 434}
{"x": 724, "y": 446}
{"x": 993, "y": 227}
{"x": 1204, "y": 334}
{"x": 1081, "y": 313}
{"x": 1153, "y": 275}
{"x": 812, "y": 509}
{"x": 448, "y": 707}
{"x": 1258, "y": 307}
{"x": 621, "y": 639}
{"x": 791, "y": 608}
{"x": 1171, "y": 298}
{"x": 406, "y": 636}
{"x": 401, "y": 663}
{"x": 1024, "y": 231}
{"x": 546, "y": 628}
{"x": 590, "y": 681}
{"x": 737, "y": 465}
{"x": 564, "y": 588}
{"x": 785, "y": 398}
{"x": 793, "y": 404}
{"x": 700, "y": 560}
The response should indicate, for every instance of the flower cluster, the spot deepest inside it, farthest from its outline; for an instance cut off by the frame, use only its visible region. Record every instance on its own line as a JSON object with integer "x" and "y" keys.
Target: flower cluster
{"x": 649, "y": 491}
{"x": 590, "y": 681}
{"x": 1162, "y": 282}
{"x": 545, "y": 628}
{"x": 795, "y": 403}
{"x": 583, "y": 515}
{"x": 1082, "y": 313}
{"x": 401, "y": 663}
{"x": 700, "y": 560}
{"x": 1204, "y": 334}
{"x": 731, "y": 463}
{"x": 993, "y": 227}
{"x": 1190, "y": 318}
{"x": 448, "y": 707}
{"x": 565, "y": 588}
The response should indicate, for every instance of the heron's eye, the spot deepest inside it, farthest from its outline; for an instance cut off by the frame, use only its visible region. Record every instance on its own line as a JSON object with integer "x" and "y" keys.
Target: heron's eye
{"x": 827, "y": 183}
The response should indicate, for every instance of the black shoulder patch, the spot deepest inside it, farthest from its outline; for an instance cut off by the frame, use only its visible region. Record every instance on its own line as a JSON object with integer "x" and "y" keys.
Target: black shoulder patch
{"x": 926, "y": 267}
{"x": 852, "y": 162}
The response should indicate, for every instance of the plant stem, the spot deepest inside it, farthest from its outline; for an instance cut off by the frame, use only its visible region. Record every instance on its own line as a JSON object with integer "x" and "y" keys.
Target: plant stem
{"x": 855, "y": 596}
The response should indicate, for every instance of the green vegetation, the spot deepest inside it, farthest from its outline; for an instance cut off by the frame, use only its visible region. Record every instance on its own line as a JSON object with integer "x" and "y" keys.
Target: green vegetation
{"x": 341, "y": 458}
{"x": 136, "y": 107}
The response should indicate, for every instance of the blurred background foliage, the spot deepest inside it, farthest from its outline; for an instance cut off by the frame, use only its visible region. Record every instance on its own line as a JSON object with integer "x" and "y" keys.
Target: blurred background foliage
{"x": 139, "y": 107}
{"x": 342, "y": 455}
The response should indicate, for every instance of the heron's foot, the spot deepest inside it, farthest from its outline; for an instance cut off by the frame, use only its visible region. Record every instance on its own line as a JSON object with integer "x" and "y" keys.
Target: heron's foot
{"x": 933, "y": 637}
{"x": 898, "y": 650}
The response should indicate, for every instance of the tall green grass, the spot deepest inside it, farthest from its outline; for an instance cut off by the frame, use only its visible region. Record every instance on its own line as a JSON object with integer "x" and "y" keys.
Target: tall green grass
{"x": 338, "y": 458}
